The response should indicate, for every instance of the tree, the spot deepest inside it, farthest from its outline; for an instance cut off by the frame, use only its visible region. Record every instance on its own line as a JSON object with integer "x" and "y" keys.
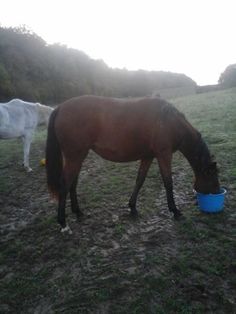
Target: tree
{"x": 32, "y": 70}
{"x": 5, "y": 84}
{"x": 228, "y": 77}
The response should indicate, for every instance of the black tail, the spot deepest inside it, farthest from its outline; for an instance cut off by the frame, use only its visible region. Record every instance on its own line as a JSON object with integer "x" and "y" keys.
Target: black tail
{"x": 53, "y": 158}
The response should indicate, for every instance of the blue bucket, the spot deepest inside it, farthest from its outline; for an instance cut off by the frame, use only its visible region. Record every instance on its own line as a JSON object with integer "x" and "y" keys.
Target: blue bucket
{"x": 211, "y": 203}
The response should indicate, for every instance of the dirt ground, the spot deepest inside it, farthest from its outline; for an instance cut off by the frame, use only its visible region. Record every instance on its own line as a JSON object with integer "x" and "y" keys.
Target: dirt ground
{"x": 112, "y": 263}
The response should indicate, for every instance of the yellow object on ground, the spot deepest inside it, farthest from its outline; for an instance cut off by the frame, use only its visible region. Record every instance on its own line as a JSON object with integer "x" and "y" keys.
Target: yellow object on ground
{"x": 43, "y": 162}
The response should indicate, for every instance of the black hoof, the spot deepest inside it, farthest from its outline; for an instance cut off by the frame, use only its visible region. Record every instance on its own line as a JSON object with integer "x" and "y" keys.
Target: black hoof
{"x": 134, "y": 213}
{"x": 79, "y": 215}
{"x": 178, "y": 215}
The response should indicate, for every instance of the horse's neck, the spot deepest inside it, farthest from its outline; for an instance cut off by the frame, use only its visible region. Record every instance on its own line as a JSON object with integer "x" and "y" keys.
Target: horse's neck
{"x": 194, "y": 149}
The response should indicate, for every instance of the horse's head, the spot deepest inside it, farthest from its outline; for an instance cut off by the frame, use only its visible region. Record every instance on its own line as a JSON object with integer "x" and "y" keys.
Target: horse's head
{"x": 206, "y": 180}
{"x": 206, "y": 172}
{"x": 44, "y": 114}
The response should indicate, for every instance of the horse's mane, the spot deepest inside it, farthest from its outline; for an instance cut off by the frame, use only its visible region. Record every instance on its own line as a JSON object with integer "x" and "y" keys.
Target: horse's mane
{"x": 201, "y": 154}
{"x": 167, "y": 110}
{"x": 205, "y": 159}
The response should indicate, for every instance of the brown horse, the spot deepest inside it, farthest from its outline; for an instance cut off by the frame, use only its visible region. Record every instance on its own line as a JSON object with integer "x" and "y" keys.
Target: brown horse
{"x": 121, "y": 131}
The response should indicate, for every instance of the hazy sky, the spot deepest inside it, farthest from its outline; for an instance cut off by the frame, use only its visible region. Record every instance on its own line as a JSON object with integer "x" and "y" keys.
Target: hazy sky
{"x": 197, "y": 38}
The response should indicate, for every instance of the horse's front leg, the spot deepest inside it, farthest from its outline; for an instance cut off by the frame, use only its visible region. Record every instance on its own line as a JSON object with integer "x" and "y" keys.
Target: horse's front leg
{"x": 27, "y": 139}
{"x": 164, "y": 161}
{"x": 142, "y": 172}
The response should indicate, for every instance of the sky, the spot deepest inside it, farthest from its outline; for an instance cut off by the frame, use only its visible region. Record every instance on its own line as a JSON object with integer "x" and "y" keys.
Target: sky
{"x": 194, "y": 37}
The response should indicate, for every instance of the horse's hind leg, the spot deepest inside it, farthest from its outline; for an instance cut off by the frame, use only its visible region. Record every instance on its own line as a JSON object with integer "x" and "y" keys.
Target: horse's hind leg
{"x": 61, "y": 205}
{"x": 142, "y": 172}
{"x": 74, "y": 201}
{"x": 70, "y": 173}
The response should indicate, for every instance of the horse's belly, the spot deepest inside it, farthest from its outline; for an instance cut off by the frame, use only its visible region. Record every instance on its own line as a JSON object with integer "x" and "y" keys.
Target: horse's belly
{"x": 8, "y": 134}
{"x": 120, "y": 153}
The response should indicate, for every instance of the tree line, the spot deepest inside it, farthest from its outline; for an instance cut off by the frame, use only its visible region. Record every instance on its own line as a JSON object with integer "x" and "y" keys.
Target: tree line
{"x": 228, "y": 77}
{"x": 32, "y": 70}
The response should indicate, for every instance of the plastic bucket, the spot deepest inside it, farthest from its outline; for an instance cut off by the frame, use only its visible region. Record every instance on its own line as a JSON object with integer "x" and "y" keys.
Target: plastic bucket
{"x": 211, "y": 203}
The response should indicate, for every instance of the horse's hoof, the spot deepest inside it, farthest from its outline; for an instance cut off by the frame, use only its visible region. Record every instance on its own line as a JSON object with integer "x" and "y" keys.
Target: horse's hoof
{"x": 28, "y": 169}
{"x": 178, "y": 215}
{"x": 66, "y": 229}
{"x": 79, "y": 217}
{"x": 134, "y": 213}
{"x": 80, "y": 214}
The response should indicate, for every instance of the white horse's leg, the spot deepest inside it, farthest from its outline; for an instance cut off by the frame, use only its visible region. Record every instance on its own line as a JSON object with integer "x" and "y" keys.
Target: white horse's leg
{"x": 27, "y": 139}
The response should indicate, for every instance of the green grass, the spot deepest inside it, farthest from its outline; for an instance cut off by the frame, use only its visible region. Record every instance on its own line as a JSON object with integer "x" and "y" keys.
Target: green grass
{"x": 112, "y": 263}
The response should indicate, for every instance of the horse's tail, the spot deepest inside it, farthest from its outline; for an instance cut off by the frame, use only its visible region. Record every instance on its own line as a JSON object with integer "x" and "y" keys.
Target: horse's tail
{"x": 53, "y": 158}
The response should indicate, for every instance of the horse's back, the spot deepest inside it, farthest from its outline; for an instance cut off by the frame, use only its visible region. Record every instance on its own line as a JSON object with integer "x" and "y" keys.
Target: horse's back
{"x": 105, "y": 111}
{"x": 119, "y": 130}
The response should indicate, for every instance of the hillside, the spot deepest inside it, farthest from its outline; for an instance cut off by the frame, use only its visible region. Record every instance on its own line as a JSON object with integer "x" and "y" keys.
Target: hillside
{"x": 35, "y": 71}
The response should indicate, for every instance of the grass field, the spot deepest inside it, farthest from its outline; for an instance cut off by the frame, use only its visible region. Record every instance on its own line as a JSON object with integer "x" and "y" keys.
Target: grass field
{"x": 111, "y": 263}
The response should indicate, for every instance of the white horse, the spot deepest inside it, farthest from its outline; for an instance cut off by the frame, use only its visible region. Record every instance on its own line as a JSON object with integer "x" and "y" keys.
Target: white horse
{"x": 19, "y": 119}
